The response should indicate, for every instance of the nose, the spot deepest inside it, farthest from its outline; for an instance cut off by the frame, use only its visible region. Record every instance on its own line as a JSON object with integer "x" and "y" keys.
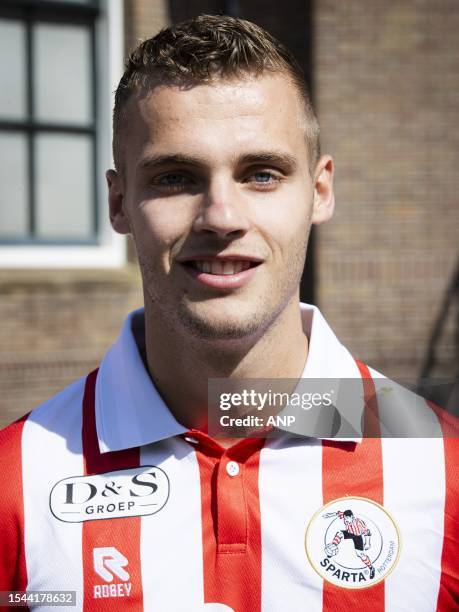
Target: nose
{"x": 223, "y": 210}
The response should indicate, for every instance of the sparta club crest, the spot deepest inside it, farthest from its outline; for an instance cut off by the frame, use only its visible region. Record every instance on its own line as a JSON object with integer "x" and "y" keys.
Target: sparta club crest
{"x": 352, "y": 542}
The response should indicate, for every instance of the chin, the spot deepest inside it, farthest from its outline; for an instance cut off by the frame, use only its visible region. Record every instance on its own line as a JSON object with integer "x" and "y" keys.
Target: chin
{"x": 219, "y": 325}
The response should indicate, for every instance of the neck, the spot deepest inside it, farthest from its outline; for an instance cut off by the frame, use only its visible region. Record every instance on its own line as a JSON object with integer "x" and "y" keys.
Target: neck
{"x": 180, "y": 365}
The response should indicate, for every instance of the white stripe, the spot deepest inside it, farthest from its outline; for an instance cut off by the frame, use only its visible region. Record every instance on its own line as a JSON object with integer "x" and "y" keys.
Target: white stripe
{"x": 414, "y": 493}
{"x": 290, "y": 493}
{"x": 52, "y": 451}
{"x": 171, "y": 540}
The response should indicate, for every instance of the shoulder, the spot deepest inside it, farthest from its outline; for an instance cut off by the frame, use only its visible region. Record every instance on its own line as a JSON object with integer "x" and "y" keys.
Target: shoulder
{"x": 62, "y": 406}
{"x": 29, "y": 436}
{"x": 10, "y": 443}
{"x": 405, "y": 414}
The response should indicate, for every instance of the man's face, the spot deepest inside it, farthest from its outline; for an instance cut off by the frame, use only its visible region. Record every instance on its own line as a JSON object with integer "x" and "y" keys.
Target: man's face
{"x": 218, "y": 197}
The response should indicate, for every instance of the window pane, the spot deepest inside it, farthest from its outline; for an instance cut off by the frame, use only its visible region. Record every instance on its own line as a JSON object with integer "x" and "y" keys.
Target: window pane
{"x": 62, "y": 76}
{"x": 13, "y": 186}
{"x": 12, "y": 70}
{"x": 64, "y": 186}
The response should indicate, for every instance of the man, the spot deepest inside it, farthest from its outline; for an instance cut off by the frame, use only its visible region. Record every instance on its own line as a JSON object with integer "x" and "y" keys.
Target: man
{"x": 113, "y": 488}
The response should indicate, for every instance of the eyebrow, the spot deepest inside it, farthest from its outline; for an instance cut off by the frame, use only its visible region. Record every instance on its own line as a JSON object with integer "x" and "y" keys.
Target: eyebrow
{"x": 280, "y": 158}
{"x": 272, "y": 157}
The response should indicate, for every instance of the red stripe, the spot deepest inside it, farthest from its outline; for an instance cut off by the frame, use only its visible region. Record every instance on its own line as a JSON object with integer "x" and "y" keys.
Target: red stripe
{"x": 231, "y": 555}
{"x": 121, "y": 533}
{"x": 356, "y": 470}
{"x": 13, "y": 572}
{"x": 448, "y": 596}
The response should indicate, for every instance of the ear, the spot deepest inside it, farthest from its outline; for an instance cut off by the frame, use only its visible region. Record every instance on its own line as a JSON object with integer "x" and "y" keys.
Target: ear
{"x": 324, "y": 197}
{"x": 118, "y": 217}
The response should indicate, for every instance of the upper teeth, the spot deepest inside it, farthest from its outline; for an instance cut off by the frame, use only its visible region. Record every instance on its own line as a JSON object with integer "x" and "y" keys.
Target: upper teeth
{"x": 222, "y": 267}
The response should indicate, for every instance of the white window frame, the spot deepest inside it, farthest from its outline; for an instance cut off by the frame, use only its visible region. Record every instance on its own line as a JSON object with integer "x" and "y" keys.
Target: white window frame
{"x": 111, "y": 252}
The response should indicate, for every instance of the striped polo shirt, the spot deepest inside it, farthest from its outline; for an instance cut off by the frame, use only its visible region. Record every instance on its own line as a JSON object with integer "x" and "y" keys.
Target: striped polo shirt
{"x": 104, "y": 493}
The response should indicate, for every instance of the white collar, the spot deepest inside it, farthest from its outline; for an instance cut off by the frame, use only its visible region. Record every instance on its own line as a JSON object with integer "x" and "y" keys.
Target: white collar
{"x": 130, "y": 412}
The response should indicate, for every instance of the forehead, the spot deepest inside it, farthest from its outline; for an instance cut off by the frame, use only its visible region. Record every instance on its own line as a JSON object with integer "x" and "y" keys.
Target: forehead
{"x": 220, "y": 119}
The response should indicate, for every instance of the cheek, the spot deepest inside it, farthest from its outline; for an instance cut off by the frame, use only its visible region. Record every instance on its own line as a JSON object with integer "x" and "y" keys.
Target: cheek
{"x": 284, "y": 225}
{"x": 159, "y": 226}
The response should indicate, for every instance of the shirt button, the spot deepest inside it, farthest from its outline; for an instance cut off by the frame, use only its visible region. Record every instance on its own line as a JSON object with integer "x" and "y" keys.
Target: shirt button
{"x": 232, "y": 468}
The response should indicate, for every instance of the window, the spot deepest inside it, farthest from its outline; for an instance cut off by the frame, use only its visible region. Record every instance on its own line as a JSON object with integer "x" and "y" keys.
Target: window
{"x": 57, "y": 71}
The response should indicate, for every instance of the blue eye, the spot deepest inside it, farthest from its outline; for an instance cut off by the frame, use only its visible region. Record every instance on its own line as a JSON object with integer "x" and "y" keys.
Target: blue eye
{"x": 263, "y": 177}
{"x": 172, "y": 179}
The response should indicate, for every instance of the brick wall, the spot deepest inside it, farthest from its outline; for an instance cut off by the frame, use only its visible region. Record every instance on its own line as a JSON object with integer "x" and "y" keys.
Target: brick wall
{"x": 387, "y": 91}
{"x": 143, "y": 19}
{"x": 57, "y": 325}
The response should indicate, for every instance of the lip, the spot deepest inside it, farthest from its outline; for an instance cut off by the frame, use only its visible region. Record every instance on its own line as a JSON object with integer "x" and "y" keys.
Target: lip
{"x": 221, "y": 281}
{"x": 228, "y": 257}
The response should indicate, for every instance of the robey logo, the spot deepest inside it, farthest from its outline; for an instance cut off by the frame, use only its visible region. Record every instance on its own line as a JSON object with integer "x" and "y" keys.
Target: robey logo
{"x": 352, "y": 542}
{"x": 108, "y": 564}
{"x": 133, "y": 492}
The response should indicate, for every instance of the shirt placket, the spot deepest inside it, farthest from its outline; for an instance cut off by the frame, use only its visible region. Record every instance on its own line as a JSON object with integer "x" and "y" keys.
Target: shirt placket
{"x": 230, "y": 520}
{"x": 229, "y": 503}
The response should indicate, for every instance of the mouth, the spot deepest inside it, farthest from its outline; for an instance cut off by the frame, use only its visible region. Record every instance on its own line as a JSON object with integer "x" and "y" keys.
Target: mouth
{"x": 225, "y": 268}
{"x": 228, "y": 272}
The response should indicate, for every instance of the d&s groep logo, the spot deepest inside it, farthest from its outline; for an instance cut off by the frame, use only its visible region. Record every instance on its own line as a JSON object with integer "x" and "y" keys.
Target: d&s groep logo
{"x": 133, "y": 492}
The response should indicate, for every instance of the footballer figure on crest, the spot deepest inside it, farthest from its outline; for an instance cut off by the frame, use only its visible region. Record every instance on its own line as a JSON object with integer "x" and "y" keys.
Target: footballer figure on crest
{"x": 355, "y": 530}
